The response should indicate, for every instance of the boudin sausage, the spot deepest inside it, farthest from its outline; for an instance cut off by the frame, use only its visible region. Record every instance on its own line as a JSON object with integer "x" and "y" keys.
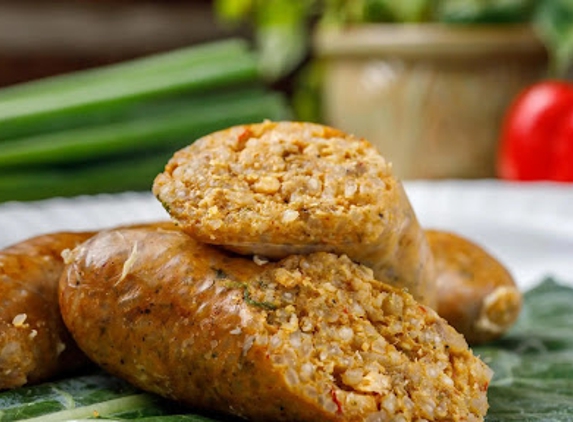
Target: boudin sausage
{"x": 276, "y": 189}
{"x": 476, "y": 293}
{"x": 34, "y": 344}
{"x": 309, "y": 338}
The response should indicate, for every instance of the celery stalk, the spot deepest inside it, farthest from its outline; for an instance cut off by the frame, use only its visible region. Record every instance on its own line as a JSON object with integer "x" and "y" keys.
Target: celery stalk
{"x": 172, "y": 129}
{"x": 30, "y": 115}
{"x": 155, "y": 64}
{"x": 139, "y": 152}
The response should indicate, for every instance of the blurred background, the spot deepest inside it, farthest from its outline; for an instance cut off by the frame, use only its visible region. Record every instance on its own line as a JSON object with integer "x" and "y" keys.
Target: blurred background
{"x": 95, "y": 95}
{"x": 45, "y": 38}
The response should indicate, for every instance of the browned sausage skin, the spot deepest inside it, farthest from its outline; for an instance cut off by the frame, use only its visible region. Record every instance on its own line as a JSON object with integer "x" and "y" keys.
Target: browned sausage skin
{"x": 34, "y": 343}
{"x": 281, "y": 188}
{"x": 476, "y": 293}
{"x": 307, "y": 338}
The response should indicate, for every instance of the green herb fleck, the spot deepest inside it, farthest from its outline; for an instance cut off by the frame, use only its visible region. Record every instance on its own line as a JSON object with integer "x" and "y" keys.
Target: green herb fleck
{"x": 247, "y": 295}
{"x": 266, "y": 305}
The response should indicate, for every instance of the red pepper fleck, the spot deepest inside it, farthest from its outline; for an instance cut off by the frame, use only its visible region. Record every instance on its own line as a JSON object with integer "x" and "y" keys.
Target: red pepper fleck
{"x": 245, "y": 136}
{"x": 485, "y": 386}
{"x": 345, "y": 310}
{"x": 336, "y": 401}
{"x": 423, "y": 309}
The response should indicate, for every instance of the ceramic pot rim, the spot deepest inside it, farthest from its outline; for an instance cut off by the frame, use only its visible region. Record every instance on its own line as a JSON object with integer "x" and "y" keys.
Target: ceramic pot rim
{"x": 404, "y": 40}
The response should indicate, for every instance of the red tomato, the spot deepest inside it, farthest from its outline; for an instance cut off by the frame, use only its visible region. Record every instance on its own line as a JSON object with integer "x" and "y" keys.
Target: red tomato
{"x": 563, "y": 151}
{"x": 537, "y": 134}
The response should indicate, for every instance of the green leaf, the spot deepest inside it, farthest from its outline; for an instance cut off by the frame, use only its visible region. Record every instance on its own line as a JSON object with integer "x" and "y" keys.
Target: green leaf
{"x": 484, "y": 11}
{"x": 30, "y": 402}
{"x": 396, "y": 11}
{"x": 282, "y": 48}
{"x": 554, "y": 22}
{"x": 338, "y": 12}
{"x": 233, "y": 10}
{"x": 282, "y": 36}
{"x": 306, "y": 98}
{"x": 533, "y": 364}
{"x": 92, "y": 397}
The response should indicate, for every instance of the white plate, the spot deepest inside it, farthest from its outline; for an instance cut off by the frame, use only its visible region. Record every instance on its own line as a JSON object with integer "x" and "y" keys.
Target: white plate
{"x": 528, "y": 226}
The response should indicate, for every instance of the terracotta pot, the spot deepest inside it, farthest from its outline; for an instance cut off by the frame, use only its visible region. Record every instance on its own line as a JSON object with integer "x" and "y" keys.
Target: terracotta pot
{"x": 430, "y": 97}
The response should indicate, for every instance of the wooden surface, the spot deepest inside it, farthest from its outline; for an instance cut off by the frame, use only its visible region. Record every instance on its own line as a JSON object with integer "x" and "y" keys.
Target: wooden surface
{"x": 40, "y": 38}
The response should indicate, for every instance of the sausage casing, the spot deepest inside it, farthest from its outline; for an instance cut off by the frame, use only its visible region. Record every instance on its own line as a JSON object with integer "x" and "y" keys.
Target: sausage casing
{"x": 34, "y": 343}
{"x": 282, "y": 188}
{"x": 307, "y": 338}
{"x": 476, "y": 293}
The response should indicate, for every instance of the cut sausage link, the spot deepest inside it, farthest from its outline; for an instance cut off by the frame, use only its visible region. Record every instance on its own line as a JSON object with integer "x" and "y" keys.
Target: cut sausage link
{"x": 277, "y": 189}
{"x": 308, "y": 338}
{"x": 476, "y": 293}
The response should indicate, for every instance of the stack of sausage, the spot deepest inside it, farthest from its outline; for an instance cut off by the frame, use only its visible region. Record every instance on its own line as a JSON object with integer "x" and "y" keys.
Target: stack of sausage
{"x": 295, "y": 284}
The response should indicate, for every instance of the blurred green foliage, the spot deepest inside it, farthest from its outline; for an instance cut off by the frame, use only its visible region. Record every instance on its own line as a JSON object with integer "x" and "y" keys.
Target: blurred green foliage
{"x": 282, "y": 27}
